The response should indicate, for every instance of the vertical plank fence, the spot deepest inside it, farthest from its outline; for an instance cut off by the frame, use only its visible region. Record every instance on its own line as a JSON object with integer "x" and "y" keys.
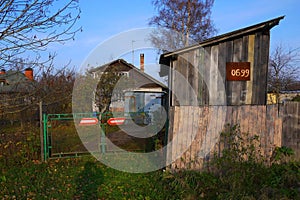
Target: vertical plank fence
{"x": 290, "y": 112}
{"x": 195, "y": 131}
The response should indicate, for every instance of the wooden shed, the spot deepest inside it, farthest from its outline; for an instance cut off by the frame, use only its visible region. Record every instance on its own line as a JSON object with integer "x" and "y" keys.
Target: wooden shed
{"x": 229, "y": 69}
{"x": 220, "y": 81}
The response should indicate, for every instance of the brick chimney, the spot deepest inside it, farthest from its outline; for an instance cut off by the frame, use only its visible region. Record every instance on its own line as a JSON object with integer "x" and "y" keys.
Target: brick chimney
{"x": 142, "y": 66}
{"x": 29, "y": 73}
{"x": 2, "y": 71}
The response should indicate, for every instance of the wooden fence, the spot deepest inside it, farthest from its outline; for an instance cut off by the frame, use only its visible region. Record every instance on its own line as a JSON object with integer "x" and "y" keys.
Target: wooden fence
{"x": 194, "y": 132}
{"x": 290, "y": 113}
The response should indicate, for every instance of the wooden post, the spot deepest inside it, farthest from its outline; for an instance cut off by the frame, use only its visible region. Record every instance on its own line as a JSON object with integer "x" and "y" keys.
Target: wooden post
{"x": 41, "y": 130}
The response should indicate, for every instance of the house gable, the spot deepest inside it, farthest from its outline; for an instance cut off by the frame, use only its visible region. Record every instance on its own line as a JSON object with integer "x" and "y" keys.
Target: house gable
{"x": 120, "y": 66}
{"x": 133, "y": 91}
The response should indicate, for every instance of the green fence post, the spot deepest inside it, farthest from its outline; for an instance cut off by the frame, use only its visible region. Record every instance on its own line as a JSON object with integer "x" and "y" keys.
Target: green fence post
{"x": 45, "y": 136}
{"x": 103, "y": 142}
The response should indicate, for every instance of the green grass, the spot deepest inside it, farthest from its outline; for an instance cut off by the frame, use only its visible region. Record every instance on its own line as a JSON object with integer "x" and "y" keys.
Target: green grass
{"x": 79, "y": 178}
{"x": 23, "y": 176}
{"x": 85, "y": 178}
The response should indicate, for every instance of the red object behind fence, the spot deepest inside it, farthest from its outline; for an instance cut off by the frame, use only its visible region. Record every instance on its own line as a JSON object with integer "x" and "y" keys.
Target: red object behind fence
{"x": 88, "y": 121}
{"x": 116, "y": 121}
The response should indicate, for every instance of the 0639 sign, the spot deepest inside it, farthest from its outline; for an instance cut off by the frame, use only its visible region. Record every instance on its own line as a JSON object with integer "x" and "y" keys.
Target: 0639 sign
{"x": 238, "y": 71}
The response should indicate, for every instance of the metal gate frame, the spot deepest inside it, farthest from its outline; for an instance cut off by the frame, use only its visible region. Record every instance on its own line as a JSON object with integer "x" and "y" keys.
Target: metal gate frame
{"x": 47, "y": 137}
{"x": 102, "y": 122}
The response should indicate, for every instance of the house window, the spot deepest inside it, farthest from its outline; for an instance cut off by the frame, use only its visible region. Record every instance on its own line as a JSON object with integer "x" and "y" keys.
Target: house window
{"x": 126, "y": 74}
{"x": 3, "y": 82}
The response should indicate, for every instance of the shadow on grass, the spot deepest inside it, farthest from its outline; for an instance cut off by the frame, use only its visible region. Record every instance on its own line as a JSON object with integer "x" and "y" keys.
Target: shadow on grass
{"x": 88, "y": 181}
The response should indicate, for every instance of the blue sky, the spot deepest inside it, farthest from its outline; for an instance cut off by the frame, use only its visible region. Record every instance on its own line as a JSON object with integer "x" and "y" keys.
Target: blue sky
{"x": 102, "y": 20}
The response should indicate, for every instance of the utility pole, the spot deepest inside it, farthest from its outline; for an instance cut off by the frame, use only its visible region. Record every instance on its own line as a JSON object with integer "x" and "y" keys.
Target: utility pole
{"x": 132, "y": 41}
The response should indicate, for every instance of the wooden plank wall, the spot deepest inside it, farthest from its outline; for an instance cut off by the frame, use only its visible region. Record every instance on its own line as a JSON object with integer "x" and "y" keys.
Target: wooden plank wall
{"x": 290, "y": 112}
{"x": 195, "y": 131}
{"x": 253, "y": 48}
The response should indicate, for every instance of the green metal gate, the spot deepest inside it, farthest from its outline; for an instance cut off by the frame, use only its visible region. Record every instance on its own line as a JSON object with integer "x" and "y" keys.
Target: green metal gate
{"x": 51, "y": 121}
{"x": 59, "y": 129}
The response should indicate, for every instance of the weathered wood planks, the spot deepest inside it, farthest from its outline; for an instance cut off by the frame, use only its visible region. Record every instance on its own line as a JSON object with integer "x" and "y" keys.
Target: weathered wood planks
{"x": 210, "y": 84}
{"x": 195, "y": 132}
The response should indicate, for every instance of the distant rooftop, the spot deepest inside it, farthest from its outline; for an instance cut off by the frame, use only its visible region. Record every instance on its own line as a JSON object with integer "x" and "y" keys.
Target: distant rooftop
{"x": 15, "y": 82}
{"x": 147, "y": 76}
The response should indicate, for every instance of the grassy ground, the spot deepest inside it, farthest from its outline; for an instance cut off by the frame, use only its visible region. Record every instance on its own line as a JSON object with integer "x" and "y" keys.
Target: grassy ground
{"x": 84, "y": 178}
{"x": 23, "y": 176}
{"x": 81, "y": 178}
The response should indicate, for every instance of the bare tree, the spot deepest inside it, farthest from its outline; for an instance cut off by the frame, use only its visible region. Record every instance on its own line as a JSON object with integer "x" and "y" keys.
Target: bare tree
{"x": 83, "y": 93}
{"x": 55, "y": 88}
{"x": 111, "y": 87}
{"x": 99, "y": 88}
{"x": 284, "y": 69}
{"x": 19, "y": 100}
{"x": 191, "y": 19}
{"x": 29, "y": 26}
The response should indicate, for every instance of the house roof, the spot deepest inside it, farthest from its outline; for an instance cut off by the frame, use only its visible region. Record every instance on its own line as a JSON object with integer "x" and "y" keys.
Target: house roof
{"x": 15, "y": 82}
{"x": 263, "y": 26}
{"x": 145, "y": 75}
{"x": 289, "y": 89}
{"x": 294, "y": 86}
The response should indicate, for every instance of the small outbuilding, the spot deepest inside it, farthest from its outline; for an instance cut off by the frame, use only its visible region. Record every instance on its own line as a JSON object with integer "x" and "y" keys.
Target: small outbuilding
{"x": 229, "y": 69}
{"x": 220, "y": 81}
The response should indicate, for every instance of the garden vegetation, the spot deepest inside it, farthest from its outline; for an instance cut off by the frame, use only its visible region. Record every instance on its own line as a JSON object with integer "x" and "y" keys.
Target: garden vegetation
{"x": 240, "y": 173}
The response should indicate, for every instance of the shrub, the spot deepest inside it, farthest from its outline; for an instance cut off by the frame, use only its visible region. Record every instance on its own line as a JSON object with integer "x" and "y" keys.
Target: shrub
{"x": 240, "y": 173}
{"x": 19, "y": 145}
{"x": 296, "y": 98}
